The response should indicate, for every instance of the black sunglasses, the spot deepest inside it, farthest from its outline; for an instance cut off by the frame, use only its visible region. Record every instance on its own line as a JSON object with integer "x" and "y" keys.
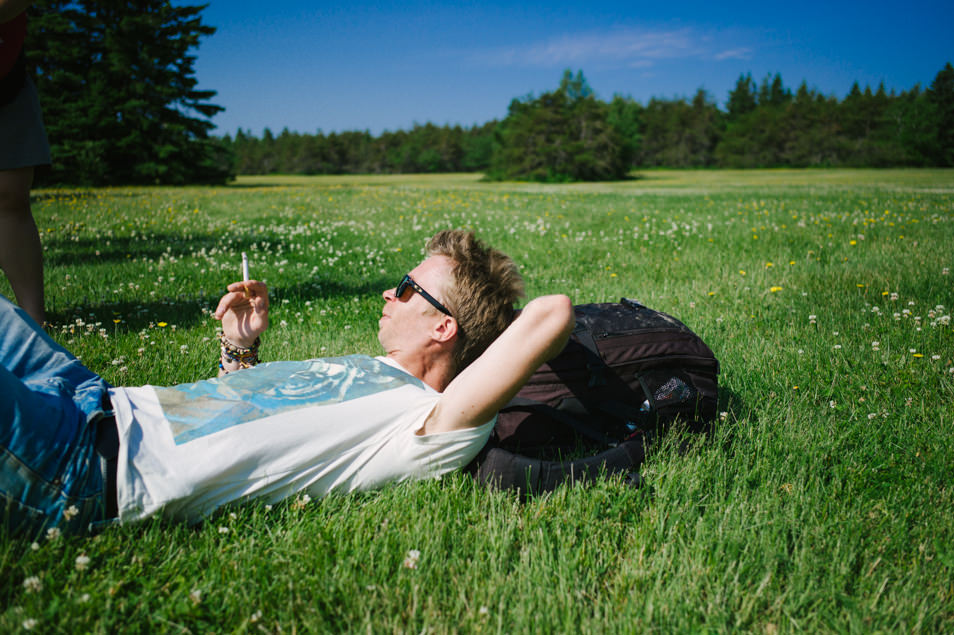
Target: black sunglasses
{"x": 408, "y": 281}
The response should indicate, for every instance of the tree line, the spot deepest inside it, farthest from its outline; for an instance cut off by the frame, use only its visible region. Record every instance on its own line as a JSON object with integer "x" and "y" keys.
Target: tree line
{"x": 425, "y": 148}
{"x": 121, "y": 105}
{"x": 570, "y": 134}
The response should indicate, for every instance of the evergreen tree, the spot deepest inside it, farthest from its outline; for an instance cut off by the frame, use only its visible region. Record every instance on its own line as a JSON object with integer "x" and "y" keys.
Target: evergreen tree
{"x": 563, "y": 135}
{"x": 117, "y": 86}
{"x": 741, "y": 98}
{"x": 625, "y": 116}
{"x": 914, "y": 120}
{"x": 680, "y": 134}
{"x": 941, "y": 96}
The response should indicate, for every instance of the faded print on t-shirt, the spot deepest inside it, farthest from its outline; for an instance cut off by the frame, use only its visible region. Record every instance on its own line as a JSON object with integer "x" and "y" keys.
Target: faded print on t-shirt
{"x": 201, "y": 408}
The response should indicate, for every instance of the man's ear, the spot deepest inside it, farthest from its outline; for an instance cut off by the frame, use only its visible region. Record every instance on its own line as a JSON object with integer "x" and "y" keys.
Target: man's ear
{"x": 445, "y": 330}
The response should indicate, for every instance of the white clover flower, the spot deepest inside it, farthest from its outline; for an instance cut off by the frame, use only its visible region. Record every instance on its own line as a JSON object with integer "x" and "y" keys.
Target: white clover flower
{"x": 29, "y": 624}
{"x": 53, "y": 533}
{"x": 832, "y": 403}
{"x": 223, "y": 529}
{"x": 70, "y": 512}
{"x": 410, "y": 561}
{"x": 196, "y": 596}
{"x": 33, "y": 584}
{"x": 872, "y": 415}
{"x": 82, "y": 562}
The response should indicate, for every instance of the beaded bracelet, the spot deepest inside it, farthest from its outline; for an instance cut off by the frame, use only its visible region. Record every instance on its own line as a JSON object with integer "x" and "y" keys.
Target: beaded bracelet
{"x": 246, "y": 357}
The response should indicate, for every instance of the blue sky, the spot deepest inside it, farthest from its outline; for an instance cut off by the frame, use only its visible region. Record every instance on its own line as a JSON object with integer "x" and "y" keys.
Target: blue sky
{"x": 377, "y": 66}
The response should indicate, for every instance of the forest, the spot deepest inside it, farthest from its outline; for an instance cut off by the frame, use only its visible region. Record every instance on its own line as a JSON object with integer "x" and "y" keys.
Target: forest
{"x": 122, "y": 105}
{"x": 570, "y": 134}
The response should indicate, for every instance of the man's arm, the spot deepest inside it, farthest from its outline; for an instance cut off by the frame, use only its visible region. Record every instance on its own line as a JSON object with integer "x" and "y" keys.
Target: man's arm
{"x": 477, "y": 393}
{"x": 244, "y": 315}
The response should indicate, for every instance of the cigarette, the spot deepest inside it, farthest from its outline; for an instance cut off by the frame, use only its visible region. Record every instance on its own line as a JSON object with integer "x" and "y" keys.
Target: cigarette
{"x": 245, "y": 267}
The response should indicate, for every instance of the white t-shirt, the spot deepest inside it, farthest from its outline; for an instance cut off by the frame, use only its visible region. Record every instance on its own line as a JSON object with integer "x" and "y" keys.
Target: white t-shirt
{"x": 318, "y": 426}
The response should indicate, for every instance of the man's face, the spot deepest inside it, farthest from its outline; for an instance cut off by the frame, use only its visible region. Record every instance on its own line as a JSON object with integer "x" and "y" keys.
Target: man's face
{"x": 406, "y": 322}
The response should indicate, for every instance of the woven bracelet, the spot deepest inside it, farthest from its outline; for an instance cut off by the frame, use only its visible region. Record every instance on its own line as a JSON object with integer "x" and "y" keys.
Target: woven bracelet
{"x": 246, "y": 357}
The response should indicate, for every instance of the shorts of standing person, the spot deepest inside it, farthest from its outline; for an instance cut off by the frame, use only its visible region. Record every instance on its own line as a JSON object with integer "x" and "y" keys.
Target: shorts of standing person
{"x": 23, "y": 141}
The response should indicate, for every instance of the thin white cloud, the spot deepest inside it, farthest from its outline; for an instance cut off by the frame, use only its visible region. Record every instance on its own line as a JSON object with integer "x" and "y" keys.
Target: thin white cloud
{"x": 734, "y": 54}
{"x": 636, "y": 48}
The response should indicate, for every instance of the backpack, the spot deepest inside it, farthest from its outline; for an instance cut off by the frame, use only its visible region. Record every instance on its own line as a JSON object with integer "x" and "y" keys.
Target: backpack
{"x": 625, "y": 370}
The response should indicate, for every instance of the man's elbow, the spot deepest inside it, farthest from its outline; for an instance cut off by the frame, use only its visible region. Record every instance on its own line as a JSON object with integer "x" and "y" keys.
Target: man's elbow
{"x": 553, "y": 314}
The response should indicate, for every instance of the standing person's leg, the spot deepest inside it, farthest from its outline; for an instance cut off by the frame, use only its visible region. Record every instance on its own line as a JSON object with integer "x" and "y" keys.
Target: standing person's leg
{"x": 21, "y": 255}
{"x": 23, "y": 146}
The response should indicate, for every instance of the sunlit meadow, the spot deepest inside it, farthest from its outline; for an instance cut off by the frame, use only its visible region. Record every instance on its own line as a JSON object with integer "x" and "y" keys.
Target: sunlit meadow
{"x": 821, "y": 502}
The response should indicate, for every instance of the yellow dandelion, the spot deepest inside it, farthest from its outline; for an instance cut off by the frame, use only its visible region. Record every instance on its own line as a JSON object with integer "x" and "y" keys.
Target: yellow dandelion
{"x": 852, "y": 242}
{"x": 163, "y": 324}
{"x": 742, "y": 271}
{"x": 918, "y": 355}
{"x": 775, "y": 289}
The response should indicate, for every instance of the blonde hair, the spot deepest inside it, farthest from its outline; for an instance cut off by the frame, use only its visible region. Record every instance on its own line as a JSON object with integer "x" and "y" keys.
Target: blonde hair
{"x": 486, "y": 284}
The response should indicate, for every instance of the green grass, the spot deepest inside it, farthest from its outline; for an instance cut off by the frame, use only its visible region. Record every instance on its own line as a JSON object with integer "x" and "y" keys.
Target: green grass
{"x": 822, "y": 503}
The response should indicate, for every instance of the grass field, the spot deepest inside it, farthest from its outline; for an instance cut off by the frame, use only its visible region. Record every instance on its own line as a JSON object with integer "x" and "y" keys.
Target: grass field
{"x": 823, "y": 502}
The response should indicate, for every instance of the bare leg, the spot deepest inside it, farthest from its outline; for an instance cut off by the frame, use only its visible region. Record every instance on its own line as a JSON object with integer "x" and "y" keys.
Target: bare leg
{"x": 21, "y": 256}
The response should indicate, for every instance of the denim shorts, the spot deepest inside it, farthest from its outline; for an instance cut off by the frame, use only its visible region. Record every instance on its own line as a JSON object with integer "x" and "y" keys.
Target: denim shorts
{"x": 50, "y": 473}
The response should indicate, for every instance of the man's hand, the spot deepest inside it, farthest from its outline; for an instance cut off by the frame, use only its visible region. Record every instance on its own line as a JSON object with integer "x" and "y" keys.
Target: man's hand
{"x": 244, "y": 312}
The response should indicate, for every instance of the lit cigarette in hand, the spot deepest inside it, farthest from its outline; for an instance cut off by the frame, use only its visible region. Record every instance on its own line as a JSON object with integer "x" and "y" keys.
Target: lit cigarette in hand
{"x": 245, "y": 271}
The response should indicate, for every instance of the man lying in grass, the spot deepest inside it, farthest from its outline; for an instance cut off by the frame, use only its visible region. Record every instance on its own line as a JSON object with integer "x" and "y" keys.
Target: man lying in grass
{"x": 78, "y": 453}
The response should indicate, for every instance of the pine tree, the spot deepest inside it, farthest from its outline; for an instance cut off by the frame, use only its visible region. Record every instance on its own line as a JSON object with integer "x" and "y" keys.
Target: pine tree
{"x": 564, "y": 135}
{"x": 941, "y": 95}
{"x": 741, "y": 98}
{"x": 117, "y": 86}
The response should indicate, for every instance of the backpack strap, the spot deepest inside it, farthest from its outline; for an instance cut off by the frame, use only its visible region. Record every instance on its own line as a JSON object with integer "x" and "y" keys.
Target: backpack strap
{"x": 594, "y": 360}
